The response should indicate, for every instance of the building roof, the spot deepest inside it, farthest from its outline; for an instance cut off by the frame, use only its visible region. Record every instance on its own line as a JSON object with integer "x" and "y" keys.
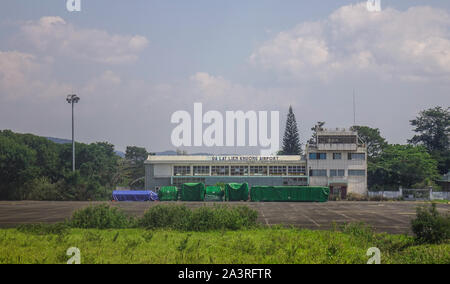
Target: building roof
{"x": 336, "y": 131}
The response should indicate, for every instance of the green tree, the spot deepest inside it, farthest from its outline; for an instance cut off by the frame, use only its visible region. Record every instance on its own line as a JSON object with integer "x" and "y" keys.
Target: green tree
{"x": 318, "y": 127}
{"x": 402, "y": 165}
{"x": 136, "y": 154}
{"x": 46, "y": 152}
{"x": 16, "y": 167}
{"x": 135, "y": 158}
{"x": 95, "y": 161}
{"x": 373, "y": 140}
{"x": 433, "y": 131}
{"x": 291, "y": 139}
{"x": 33, "y": 167}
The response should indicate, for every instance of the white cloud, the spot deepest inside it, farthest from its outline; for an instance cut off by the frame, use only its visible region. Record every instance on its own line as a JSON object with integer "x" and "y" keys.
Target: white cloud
{"x": 223, "y": 93}
{"x": 56, "y": 36}
{"x": 211, "y": 86}
{"x": 14, "y": 67}
{"x": 408, "y": 45}
{"x": 22, "y": 74}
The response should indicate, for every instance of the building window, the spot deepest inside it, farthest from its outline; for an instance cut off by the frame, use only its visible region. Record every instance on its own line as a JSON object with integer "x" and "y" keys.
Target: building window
{"x": 358, "y": 173}
{"x": 296, "y": 170}
{"x": 277, "y": 170}
{"x": 333, "y": 139}
{"x": 182, "y": 170}
{"x": 296, "y": 181}
{"x": 337, "y": 173}
{"x": 220, "y": 171}
{"x": 239, "y": 170}
{"x": 201, "y": 170}
{"x": 337, "y": 156}
{"x": 318, "y": 173}
{"x": 178, "y": 181}
{"x": 258, "y": 170}
{"x": 356, "y": 156}
{"x": 317, "y": 156}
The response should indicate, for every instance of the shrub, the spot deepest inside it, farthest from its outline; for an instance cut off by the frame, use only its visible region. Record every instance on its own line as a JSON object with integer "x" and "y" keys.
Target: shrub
{"x": 179, "y": 217}
{"x": 175, "y": 217}
{"x": 100, "y": 216}
{"x": 429, "y": 226}
{"x": 204, "y": 219}
{"x": 247, "y": 215}
{"x": 222, "y": 217}
{"x": 43, "y": 189}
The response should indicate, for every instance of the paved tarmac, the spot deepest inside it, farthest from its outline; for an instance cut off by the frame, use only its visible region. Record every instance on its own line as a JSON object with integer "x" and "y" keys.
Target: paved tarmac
{"x": 390, "y": 217}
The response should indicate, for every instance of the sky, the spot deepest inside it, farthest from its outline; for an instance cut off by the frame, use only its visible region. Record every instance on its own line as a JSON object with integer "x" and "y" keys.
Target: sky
{"x": 135, "y": 63}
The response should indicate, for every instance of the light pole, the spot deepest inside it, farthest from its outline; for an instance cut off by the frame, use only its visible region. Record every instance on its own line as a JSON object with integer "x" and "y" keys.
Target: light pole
{"x": 73, "y": 99}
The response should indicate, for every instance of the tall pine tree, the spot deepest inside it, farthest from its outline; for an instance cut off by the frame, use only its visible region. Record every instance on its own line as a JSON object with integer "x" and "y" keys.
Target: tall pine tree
{"x": 291, "y": 139}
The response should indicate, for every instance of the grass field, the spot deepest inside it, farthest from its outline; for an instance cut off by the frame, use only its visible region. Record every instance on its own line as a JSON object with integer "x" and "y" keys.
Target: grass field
{"x": 261, "y": 245}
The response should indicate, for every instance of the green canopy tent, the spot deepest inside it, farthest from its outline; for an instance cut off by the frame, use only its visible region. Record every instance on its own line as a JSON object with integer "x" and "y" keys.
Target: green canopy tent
{"x": 236, "y": 191}
{"x": 168, "y": 193}
{"x": 193, "y": 192}
{"x": 214, "y": 193}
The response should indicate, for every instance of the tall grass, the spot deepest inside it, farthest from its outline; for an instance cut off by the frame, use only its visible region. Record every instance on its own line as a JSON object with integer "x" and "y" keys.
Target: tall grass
{"x": 259, "y": 246}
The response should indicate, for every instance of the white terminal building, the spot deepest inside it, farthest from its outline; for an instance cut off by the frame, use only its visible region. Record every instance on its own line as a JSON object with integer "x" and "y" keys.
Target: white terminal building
{"x": 337, "y": 159}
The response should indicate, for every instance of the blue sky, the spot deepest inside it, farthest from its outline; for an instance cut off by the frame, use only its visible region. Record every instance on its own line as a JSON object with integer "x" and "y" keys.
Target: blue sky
{"x": 162, "y": 56}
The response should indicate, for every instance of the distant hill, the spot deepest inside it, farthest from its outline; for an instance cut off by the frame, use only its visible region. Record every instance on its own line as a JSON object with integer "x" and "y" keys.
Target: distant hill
{"x": 59, "y": 140}
{"x": 68, "y": 141}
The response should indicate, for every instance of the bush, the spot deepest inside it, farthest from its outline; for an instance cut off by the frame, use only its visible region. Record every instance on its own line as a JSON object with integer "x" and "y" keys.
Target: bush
{"x": 179, "y": 217}
{"x": 429, "y": 226}
{"x": 223, "y": 217}
{"x": 247, "y": 215}
{"x": 100, "y": 216}
{"x": 175, "y": 217}
{"x": 42, "y": 189}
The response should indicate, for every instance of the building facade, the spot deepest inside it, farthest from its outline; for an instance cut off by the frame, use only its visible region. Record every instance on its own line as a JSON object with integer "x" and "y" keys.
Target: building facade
{"x": 255, "y": 170}
{"x": 337, "y": 159}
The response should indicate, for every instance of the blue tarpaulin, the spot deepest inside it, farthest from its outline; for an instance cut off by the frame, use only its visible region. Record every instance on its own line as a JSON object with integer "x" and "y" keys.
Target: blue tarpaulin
{"x": 134, "y": 195}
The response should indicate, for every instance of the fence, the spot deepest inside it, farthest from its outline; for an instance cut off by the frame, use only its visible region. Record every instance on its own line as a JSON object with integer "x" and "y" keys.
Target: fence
{"x": 412, "y": 194}
{"x": 386, "y": 194}
{"x": 441, "y": 195}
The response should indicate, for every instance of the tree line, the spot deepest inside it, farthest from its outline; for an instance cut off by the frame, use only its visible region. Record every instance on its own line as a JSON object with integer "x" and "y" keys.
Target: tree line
{"x": 417, "y": 164}
{"x": 35, "y": 168}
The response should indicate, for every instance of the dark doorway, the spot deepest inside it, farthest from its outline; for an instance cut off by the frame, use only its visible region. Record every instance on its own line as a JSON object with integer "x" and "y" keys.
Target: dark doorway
{"x": 338, "y": 192}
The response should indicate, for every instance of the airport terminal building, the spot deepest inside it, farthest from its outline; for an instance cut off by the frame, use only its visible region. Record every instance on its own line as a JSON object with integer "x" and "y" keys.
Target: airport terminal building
{"x": 337, "y": 159}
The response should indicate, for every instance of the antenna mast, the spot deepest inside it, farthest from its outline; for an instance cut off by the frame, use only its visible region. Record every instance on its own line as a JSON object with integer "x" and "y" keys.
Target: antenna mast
{"x": 354, "y": 109}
